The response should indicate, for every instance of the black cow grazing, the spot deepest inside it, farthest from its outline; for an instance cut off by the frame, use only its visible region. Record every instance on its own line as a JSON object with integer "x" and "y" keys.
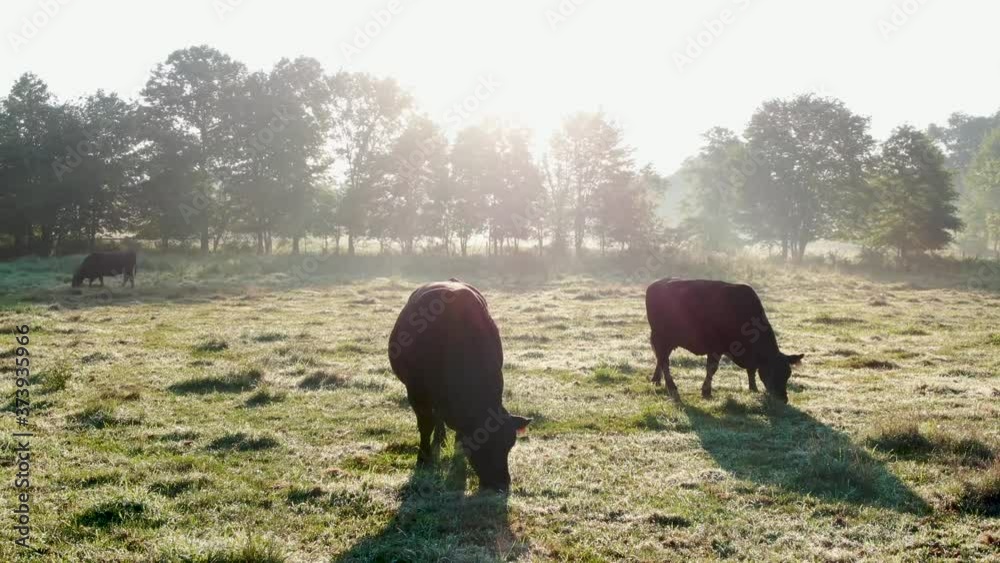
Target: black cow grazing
{"x": 716, "y": 319}
{"x": 99, "y": 264}
{"x": 446, "y": 349}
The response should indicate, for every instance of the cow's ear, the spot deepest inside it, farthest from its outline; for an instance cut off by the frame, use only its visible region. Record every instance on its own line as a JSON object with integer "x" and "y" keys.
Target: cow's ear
{"x": 520, "y": 424}
{"x": 795, "y": 359}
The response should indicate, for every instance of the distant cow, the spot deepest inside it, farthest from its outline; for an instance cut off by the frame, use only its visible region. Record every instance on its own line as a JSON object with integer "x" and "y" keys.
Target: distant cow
{"x": 446, "y": 349}
{"x": 99, "y": 264}
{"x": 716, "y": 319}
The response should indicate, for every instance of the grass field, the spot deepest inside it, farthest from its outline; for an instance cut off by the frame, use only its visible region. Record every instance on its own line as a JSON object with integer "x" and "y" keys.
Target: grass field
{"x": 210, "y": 416}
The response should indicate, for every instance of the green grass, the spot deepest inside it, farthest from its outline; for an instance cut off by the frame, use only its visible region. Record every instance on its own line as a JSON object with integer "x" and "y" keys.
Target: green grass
{"x": 228, "y": 412}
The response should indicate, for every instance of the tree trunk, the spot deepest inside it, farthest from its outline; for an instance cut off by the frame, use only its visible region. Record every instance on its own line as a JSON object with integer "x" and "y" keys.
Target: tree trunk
{"x": 350, "y": 243}
{"x": 164, "y": 243}
{"x": 295, "y": 245}
{"x": 800, "y": 251}
{"x": 204, "y": 239}
{"x": 46, "y": 241}
{"x": 578, "y": 232}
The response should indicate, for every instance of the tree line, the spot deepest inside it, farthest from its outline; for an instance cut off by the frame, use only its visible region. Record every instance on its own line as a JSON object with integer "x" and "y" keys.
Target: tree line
{"x": 808, "y": 169}
{"x": 217, "y": 155}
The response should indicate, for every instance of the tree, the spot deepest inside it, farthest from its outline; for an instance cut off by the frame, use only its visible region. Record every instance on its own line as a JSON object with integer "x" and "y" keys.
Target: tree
{"x": 808, "y": 182}
{"x": 417, "y": 168}
{"x": 274, "y": 139}
{"x": 99, "y": 168}
{"x": 475, "y": 166}
{"x": 169, "y": 179}
{"x": 983, "y": 203}
{"x": 717, "y": 181}
{"x": 303, "y": 96}
{"x": 517, "y": 195}
{"x": 590, "y": 151}
{"x": 31, "y": 139}
{"x": 368, "y": 114}
{"x": 962, "y": 139}
{"x": 558, "y": 203}
{"x": 191, "y": 92}
{"x": 626, "y": 214}
{"x": 914, "y": 207}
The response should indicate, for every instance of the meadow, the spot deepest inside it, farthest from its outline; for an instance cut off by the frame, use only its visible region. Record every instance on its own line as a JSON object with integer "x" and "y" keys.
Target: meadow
{"x": 236, "y": 409}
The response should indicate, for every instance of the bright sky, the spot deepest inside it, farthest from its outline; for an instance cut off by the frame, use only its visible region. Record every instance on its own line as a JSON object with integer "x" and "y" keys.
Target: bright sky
{"x": 539, "y": 60}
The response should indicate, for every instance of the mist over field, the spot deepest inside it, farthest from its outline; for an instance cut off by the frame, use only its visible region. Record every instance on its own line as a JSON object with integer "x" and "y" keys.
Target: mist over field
{"x": 378, "y": 281}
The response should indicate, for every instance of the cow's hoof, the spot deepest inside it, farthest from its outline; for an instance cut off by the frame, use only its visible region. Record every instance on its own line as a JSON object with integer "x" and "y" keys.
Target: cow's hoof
{"x": 753, "y": 390}
{"x": 706, "y": 393}
{"x": 656, "y": 381}
{"x": 673, "y": 394}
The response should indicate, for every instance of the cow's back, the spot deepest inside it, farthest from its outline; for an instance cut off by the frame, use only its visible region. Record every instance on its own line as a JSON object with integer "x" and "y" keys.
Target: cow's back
{"x": 707, "y": 316}
{"x": 446, "y": 346}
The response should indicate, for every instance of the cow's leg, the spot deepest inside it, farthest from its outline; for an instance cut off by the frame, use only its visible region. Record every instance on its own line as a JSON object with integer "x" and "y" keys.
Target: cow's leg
{"x": 101, "y": 279}
{"x": 90, "y": 282}
{"x": 657, "y": 378}
{"x": 425, "y": 423}
{"x": 440, "y": 433}
{"x": 671, "y": 386}
{"x": 662, "y": 351}
{"x": 711, "y": 366}
{"x": 752, "y": 378}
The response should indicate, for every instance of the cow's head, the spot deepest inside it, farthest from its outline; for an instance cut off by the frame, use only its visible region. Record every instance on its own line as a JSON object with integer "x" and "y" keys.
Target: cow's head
{"x": 775, "y": 373}
{"x": 489, "y": 447}
{"x": 77, "y": 278}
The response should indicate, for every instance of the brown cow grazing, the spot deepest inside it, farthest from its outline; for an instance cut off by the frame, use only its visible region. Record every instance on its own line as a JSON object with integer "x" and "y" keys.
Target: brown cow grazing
{"x": 716, "y": 319}
{"x": 446, "y": 349}
{"x": 99, "y": 264}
